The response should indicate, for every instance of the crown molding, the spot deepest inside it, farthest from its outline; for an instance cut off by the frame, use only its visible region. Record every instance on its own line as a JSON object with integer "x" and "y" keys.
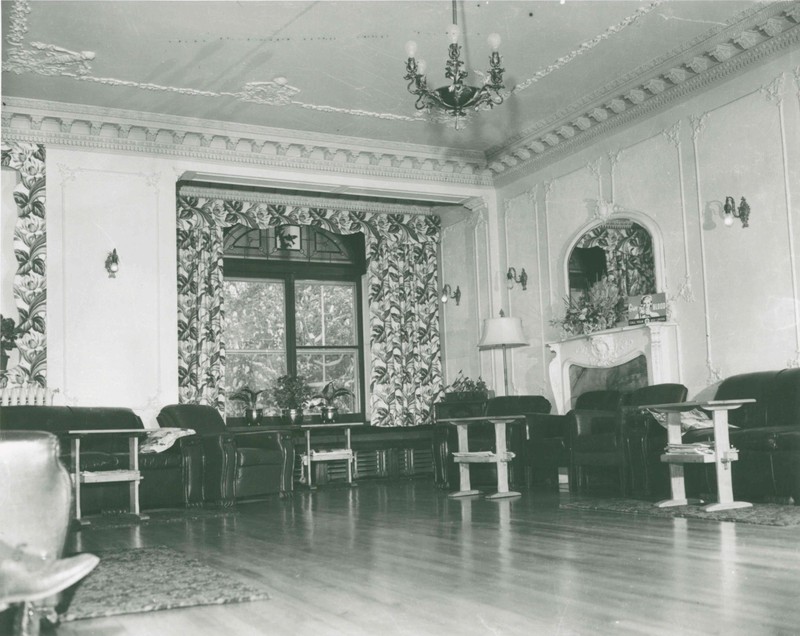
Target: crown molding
{"x": 117, "y": 130}
{"x": 763, "y": 32}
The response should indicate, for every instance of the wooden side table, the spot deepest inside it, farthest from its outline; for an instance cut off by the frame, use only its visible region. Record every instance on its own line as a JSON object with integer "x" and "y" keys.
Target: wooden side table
{"x": 341, "y": 454}
{"x": 464, "y": 457}
{"x": 132, "y": 475}
{"x": 722, "y": 455}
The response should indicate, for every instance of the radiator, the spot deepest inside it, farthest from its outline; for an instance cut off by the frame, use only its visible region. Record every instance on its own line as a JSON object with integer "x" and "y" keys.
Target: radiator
{"x": 29, "y": 395}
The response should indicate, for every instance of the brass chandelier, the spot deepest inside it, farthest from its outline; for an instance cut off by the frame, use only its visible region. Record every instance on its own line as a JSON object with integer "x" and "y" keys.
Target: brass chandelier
{"x": 456, "y": 98}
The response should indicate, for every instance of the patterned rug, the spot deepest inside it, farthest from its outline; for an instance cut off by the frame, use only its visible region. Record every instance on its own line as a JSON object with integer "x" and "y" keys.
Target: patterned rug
{"x": 123, "y": 520}
{"x": 762, "y": 514}
{"x": 128, "y": 581}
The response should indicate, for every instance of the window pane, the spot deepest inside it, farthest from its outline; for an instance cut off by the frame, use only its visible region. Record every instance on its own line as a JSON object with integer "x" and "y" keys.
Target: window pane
{"x": 325, "y": 314}
{"x": 254, "y": 315}
{"x": 255, "y": 370}
{"x": 340, "y": 367}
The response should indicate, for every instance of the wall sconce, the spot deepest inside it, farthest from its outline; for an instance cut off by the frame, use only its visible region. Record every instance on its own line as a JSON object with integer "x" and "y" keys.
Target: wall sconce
{"x": 447, "y": 293}
{"x": 112, "y": 263}
{"x": 730, "y": 210}
{"x": 511, "y": 278}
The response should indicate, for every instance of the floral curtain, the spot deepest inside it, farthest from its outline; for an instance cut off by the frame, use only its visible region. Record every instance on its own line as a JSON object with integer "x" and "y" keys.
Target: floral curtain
{"x": 629, "y": 256}
{"x": 30, "y": 279}
{"x": 403, "y": 299}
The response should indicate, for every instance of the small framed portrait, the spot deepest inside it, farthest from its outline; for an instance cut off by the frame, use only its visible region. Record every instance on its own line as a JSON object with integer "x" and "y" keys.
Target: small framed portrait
{"x": 647, "y": 308}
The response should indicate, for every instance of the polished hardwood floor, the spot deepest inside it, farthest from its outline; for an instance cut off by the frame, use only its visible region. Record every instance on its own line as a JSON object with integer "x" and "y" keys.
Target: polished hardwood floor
{"x": 401, "y": 558}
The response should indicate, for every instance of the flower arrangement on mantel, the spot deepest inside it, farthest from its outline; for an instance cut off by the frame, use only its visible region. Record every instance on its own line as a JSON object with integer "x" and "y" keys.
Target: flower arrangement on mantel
{"x": 602, "y": 307}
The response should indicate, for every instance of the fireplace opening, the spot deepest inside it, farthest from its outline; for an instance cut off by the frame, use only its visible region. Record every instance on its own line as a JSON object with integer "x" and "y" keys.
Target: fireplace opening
{"x": 622, "y": 377}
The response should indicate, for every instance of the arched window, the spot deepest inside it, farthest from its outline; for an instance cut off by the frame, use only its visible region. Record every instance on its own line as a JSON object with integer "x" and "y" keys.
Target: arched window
{"x": 293, "y": 304}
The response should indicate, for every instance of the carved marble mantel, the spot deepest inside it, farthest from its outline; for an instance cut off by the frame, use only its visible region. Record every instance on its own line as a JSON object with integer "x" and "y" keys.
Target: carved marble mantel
{"x": 658, "y": 342}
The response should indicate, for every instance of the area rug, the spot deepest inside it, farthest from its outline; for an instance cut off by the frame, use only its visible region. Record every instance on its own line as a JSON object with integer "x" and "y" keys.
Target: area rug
{"x": 127, "y": 581}
{"x": 123, "y": 520}
{"x": 761, "y": 514}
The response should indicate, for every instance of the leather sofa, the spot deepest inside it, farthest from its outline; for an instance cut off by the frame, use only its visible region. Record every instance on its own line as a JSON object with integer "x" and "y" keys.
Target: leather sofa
{"x": 169, "y": 479}
{"x": 482, "y": 438}
{"x": 240, "y": 463}
{"x": 766, "y": 433}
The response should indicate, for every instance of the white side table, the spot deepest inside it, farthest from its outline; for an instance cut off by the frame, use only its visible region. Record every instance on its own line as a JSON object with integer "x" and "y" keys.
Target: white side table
{"x": 340, "y": 454}
{"x": 722, "y": 456}
{"x": 464, "y": 457}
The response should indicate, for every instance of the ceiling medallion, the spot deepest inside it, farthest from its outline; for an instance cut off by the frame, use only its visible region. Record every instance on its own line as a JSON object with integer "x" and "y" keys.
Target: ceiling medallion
{"x": 455, "y": 100}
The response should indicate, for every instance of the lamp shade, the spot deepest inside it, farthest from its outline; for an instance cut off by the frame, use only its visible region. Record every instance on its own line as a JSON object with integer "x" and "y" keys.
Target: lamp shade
{"x": 502, "y": 332}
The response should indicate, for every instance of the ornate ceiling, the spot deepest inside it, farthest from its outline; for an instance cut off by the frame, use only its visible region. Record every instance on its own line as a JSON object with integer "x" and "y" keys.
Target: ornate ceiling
{"x": 332, "y": 72}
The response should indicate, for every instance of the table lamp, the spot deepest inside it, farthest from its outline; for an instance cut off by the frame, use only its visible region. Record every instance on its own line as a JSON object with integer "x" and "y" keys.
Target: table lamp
{"x": 504, "y": 332}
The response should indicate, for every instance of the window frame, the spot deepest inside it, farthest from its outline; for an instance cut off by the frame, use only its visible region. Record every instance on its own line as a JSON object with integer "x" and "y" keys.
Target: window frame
{"x": 290, "y": 272}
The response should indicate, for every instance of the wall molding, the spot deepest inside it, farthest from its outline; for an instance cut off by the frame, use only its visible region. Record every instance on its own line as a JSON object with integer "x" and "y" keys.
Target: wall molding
{"x": 763, "y": 32}
{"x": 116, "y": 130}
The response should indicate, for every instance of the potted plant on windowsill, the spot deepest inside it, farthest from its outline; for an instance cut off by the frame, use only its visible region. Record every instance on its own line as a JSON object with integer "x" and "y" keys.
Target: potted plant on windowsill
{"x": 325, "y": 401}
{"x": 249, "y": 397}
{"x": 289, "y": 393}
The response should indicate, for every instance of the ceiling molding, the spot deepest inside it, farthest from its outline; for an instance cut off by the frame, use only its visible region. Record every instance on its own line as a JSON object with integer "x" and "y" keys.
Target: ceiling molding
{"x": 764, "y": 32}
{"x": 116, "y": 130}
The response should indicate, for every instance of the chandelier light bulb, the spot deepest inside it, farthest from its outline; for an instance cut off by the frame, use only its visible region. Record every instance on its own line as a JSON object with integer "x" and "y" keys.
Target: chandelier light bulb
{"x": 453, "y": 33}
{"x": 422, "y": 66}
{"x": 411, "y": 48}
{"x": 494, "y": 41}
{"x": 728, "y": 220}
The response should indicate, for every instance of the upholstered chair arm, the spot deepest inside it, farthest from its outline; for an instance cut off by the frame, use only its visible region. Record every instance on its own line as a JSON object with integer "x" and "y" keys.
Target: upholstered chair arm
{"x": 547, "y": 425}
{"x": 219, "y": 451}
{"x": 191, "y": 450}
{"x": 593, "y": 422}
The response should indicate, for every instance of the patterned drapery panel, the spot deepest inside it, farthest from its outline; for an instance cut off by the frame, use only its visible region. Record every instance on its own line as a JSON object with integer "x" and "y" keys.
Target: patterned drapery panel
{"x": 629, "y": 256}
{"x": 403, "y": 298}
{"x": 30, "y": 279}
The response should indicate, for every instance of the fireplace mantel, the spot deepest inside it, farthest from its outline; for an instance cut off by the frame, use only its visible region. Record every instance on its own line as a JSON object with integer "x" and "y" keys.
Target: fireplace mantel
{"x": 657, "y": 342}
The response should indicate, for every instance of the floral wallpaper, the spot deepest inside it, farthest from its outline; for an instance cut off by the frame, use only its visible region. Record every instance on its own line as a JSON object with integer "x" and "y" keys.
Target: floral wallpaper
{"x": 403, "y": 299}
{"x": 629, "y": 256}
{"x": 30, "y": 280}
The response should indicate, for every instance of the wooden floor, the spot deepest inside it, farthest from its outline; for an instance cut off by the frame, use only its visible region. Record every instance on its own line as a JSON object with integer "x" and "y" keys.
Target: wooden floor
{"x": 402, "y": 558}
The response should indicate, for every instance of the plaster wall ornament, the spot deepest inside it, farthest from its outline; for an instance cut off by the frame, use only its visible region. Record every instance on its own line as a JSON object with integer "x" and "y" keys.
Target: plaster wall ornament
{"x": 793, "y": 12}
{"x": 151, "y": 134}
{"x": 773, "y": 26}
{"x": 673, "y": 134}
{"x": 636, "y": 96}
{"x": 723, "y": 51}
{"x": 774, "y": 90}
{"x": 566, "y": 131}
{"x": 699, "y": 63}
{"x": 656, "y": 86}
{"x": 537, "y": 147}
{"x": 478, "y": 208}
{"x": 603, "y": 350}
{"x": 676, "y": 75}
{"x": 276, "y": 92}
{"x": 613, "y": 158}
{"x": 523, "y": 153}
{"x": 794, "y": 363}
{"x": 582, "y": 123}
{"x": 617, "y": 105}
{"x": 67, "y": 173}
{"x": 551, "y": 139}
{"x": 713, "y": 373}
{"x": 594, "y": 167}
{"x": 797, "y": 81}
{"x": 598, "y": 114}
{"x": 685, "y": 292}
{"x": 748, "y": 39}
{"x": 698, "y": 124}
{"x": 548, "y": 189}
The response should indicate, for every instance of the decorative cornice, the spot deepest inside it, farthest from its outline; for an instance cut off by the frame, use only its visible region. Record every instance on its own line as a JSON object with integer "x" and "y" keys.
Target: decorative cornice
{"x": 756, "y": 34}
{"x": 274, "y": 198}
{"x": 74, "y": 125}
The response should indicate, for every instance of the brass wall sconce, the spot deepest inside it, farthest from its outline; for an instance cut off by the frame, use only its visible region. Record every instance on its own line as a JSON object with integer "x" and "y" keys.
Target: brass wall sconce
{"x": 112, "y": 263}
{"x": 447, "y": 293}
{"x": 730, "y": 211}
{"x": 511, "y": 278}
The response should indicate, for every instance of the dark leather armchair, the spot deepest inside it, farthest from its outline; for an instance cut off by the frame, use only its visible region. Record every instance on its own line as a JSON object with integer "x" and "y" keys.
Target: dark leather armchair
{"x": 238, "y": 464}
{"x": 609, "y": 440}
{"x": 548, "y": 446}
{"x": 482, "y": 437}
